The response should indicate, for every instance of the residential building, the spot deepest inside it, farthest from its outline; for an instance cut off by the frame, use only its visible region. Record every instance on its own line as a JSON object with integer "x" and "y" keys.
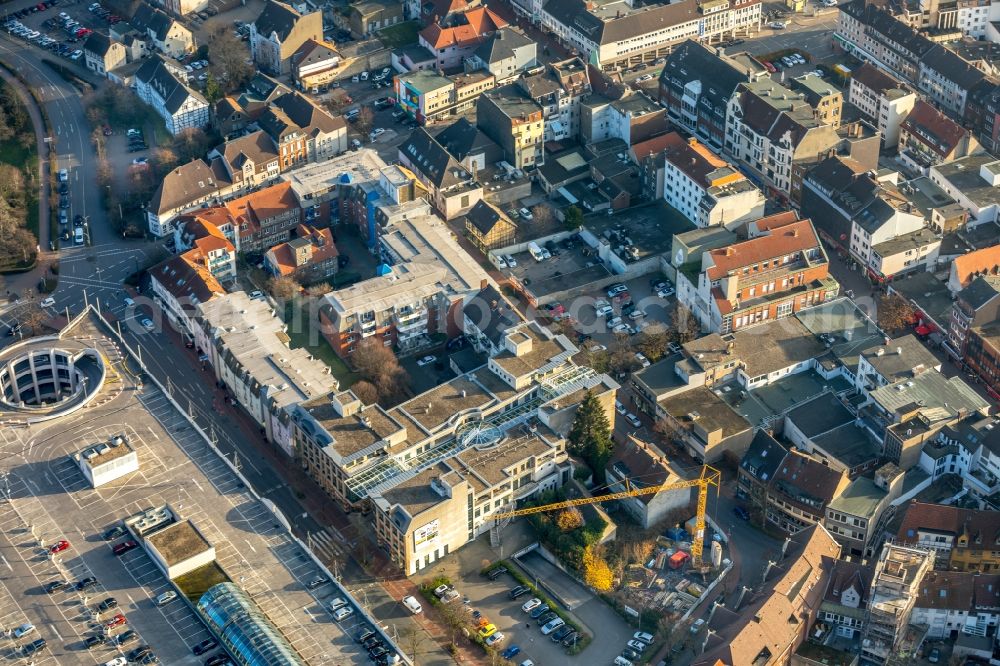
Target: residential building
{"x": 899, "y": 574}
{"x": 825, "y": 98}
{"x": 768, "y": 277}
{"x": 420, "y": 293}
{"x": 370, "y": 16}
{"x": 266, "y": 217}
{"x": 771, "y": 129}
{"x": 619, "y": 35}
{"x": 961, "y": 539}
{"x": 800, "y": 492}
{"x": 184, "y": 7}
{"x": 884, "y": 100}
{"x": 167, "y": 35}
{"x": 870, "y": 217}
{"x": 959, "y": 604}
{"x": 707, "y": 190}
{"x": 470, "y": 146}
{"x": 213, "y": 239}
{"x": 856, "y": 516}
{"x": 514, "y": 121}
{"x": 214, "y": 232}
{"x": 976, "y": 306}
{"x": 488, "y": 227}
{"x": 453, "y": 188}
{"x": 505, "y": 54}
{"x": 757, "y": 468}
{"x": 309, "y": 258}
{"x": 302, "y": 130}
{"x": 947, "y": 79}
{"x": 247, "y": 347}
{"x": 558, "y": 90}
{"x": 186, "y": 187}
{"x": 846, "y": 600}
{"x": 315, "y": 64}
{"x": 928, "y": 137}
{"x": 969, "y": 266}
{"x": 278, "y": 33}
{"x": 973, "y": 182}
{"x": 103, "y": 54}
{"x": 486, "y": 318}
{"x": 632, "y": 118}
{"x": 459, "y": 36}
{"x": 251, "y": 161}
{"x": 699, "y": 108}
{"x": 982, "y": 114}
{"x": 982, "y": 356}
{"x": 180, "y": 284}
{"x": 163, "y": 89}
{"x": 871, "y": 33}
{"x": 762, "y": 631}
{"x": 639, "y": 464}
{"x": 424, "y": 94}
{"x": 421, "y": 463}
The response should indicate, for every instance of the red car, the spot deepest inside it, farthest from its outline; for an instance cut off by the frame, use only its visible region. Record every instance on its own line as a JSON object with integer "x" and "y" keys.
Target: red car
{"x": 124, "y": 547}
{"x": 59, "y": 546}
{"x": 117, "y": 621}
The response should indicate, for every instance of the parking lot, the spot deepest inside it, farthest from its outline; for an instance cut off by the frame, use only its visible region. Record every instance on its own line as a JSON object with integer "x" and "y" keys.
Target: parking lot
{"x": 50, "y": 500}
{"x": 61, "y": 28}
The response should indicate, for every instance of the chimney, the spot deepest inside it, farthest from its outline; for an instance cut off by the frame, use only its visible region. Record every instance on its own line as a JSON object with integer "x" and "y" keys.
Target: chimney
{"x": 730, "y": 251}
{"x": 795, "y": 233}
{"x": 899, "y": 351}
{"x": 483, "y": 283}
{"x": 730, "y": 346}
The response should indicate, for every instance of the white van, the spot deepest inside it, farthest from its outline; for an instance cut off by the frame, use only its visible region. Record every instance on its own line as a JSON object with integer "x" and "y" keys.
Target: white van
{"x": 412, "y": 605}
{"x": 536, "y": 251}
{"x": 78, "y": 235}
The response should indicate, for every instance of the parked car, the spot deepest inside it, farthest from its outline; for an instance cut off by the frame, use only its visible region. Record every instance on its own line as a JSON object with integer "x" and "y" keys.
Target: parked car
{"x": 526, "y": 214}
{"x": 117, "y": 530}
{"x": 638, "y": 646}
{"x": 698, "y": 624}
{"x": 531, "y": 604}
{"x": 518, "y": 591}
{"x": 494, "y": 640}
{"x": 644, "y": 637}
{"x": 412, "y": 605}
{"x": 24, "y": 630}
{"x": 107, "y": 604}
{"x": 539, "y": 611}
{"x": 741, "y": 513}
{"x": 633, "y": 419}
{"x": 125, "y": 546}
{"x": 641, "y": 358}
{"x": 426, "y": 360}
{"x": 552, "y": 625}
{"x": 55, "y": 586}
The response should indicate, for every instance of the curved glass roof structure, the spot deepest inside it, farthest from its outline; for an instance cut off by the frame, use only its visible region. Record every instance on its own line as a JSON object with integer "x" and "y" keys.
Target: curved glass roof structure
{"x": 245, "y": 631}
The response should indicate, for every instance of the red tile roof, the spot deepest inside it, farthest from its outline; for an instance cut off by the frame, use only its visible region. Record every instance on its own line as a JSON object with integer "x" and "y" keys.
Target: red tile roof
{"x": 481, "y": 21}
{"x": 777, "y": 220}
{"x": 795, "y": 237}
{"x": 966, "y": 266}
{"x": 946, "y": 132}
{"x": 949, "y": 520}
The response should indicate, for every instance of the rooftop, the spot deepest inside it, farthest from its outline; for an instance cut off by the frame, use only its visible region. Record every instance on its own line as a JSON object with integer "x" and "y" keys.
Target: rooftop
{"x": 964, "y": 176}
{"x": 820, "y": 415}
{"x": 101, "y": 454}
{"x": 660, "y": 377}
{"x": 861, "y": 498}
{"x": 929, "y": 293}
{"x": 850, "y": 444}
{"x": 930, "y": 390}
{"x": 435, "y": 407}
{"x": 762, "y": 349}
{"x": 710, "y": 411}
{"x": 178, "y": 542}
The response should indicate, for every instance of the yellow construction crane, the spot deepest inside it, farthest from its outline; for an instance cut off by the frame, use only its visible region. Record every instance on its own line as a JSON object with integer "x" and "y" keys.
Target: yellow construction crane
{"x": 709, "y": 477}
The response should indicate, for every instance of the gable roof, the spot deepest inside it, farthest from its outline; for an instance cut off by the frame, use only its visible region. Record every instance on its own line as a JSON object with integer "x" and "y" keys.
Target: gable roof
{"x": 980, "y": 291}
{"x": 644, "y": 465}
{"x": 575, "y": 15}
{"x": 256, "y": 147}
{"x": 431, "y": 159}
{"x": 189, "y": 183}
{"x": 490, "y": 312}
{"x": 763, "y": 457}
{"x": 313, "y": 51}
{"x": 806, "y": 482}
{"x": 294, "y": 112}
{"x": 320, "y": 242}
{"x": 485, "y": 216}
{"x": 693, "y": 61}
{"x": 462, "y": 138}
{"x": 952, "y": 67}
{"x": 933, "y": 129}
{"x": 795, "y": 237}
{"x": 97, "y": 43}
{"x": 477, "y": 23}
{"x": 873, "y": 78}
{"x": 188, "y": 280}
{"x": 501, "y": 44}
{"x": 174, "y": 92}
{"x": 151, "y": 20}
{"x": 949, "y": 520}
{"x": 774, "y": 622}
{"x": 277, "y": 18}
{"x": 966, "y": 266}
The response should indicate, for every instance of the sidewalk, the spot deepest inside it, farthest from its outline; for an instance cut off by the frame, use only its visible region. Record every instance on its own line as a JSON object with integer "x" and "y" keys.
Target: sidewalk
{"x": 21, "y": 282}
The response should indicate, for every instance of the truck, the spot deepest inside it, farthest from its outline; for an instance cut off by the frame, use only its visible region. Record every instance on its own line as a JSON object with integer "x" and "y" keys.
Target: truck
{"x": 536, "y": 251}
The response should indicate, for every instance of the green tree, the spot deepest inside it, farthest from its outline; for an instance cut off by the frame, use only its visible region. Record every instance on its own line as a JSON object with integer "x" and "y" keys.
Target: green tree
{"x": 590, "y": 436}
{"x": 213, "y": 91}
{"x": 574, "y": 218}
